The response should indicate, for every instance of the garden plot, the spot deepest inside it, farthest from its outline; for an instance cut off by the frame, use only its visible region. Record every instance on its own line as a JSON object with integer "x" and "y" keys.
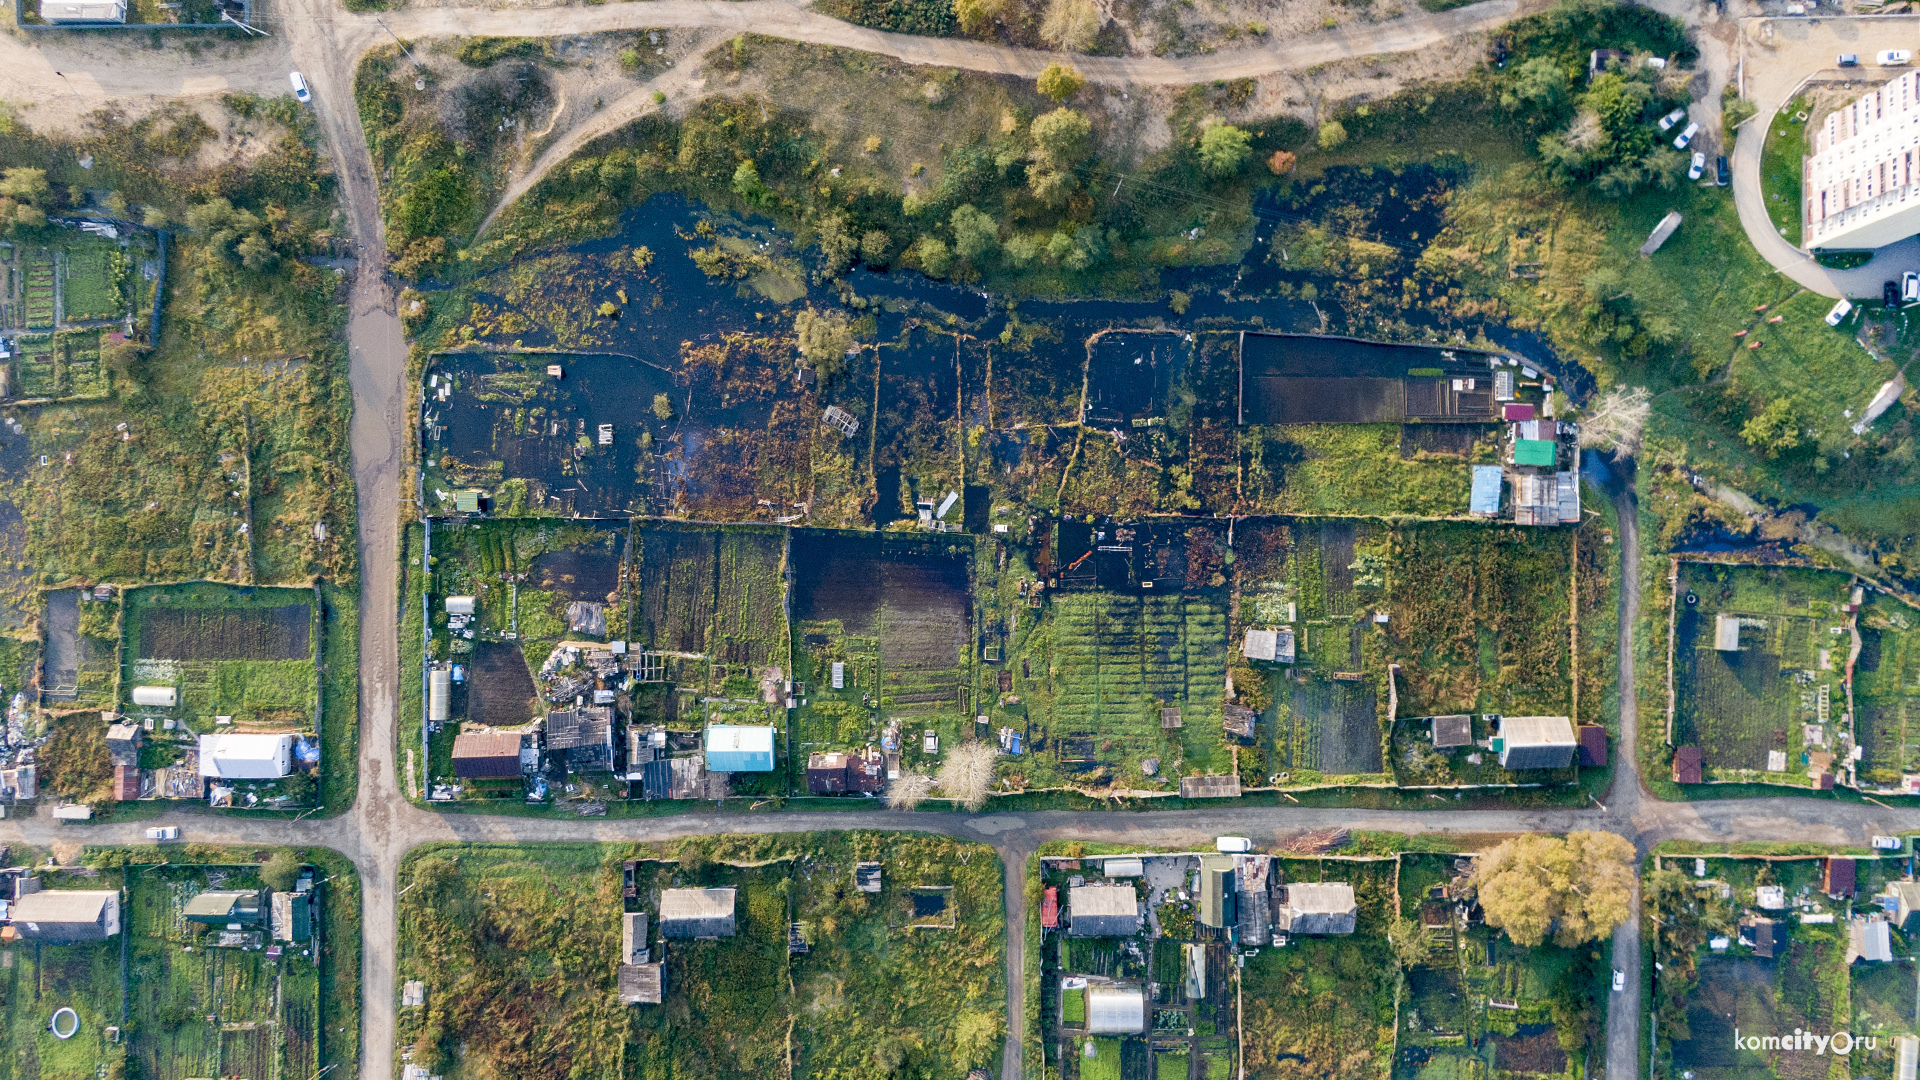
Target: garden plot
{"x": 1761, "y": 712}
{"x": 264, "y": 1012}
{"x": 80, "y": 650}
{"x": 714, "y": 592}
{"x": 96, "y": 276}
{"x": 898, "y": 615}
{"x": 246, "y": 655}
{"x": 1477, "y": 1004}
{"x": 65, "y": 366}
{"x": 34, "y": 981}
{"x": 518, "y": 949}
{"x": 1886, "y": 696}
{"x": 1476, "y": 619}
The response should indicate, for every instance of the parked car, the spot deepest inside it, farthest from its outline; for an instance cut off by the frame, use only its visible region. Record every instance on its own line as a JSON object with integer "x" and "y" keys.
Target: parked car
{"x": 1619, "y": 980}
{"x": 1232, "y": 845}
{"x": 1890, "y": 295}
{"x": 300, "y": 91}
{"x": 164, "y": 832}
{"x": 1672, "y": 118}
{"x": 1847, "y": 59}
{"x": 1840, "y": 311}
{"x": 1894, "y": 57}
{"x": 1680, "y": 141}
{"x": 1722, "y": 176}
{"x": 1886, "y": 843}
{"x": 1910, "y": 287}
{"x": 1699, "y": 166}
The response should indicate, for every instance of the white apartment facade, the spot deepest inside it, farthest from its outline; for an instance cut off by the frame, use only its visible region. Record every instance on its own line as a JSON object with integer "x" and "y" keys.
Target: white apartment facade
{"x": 1861, "y": 180}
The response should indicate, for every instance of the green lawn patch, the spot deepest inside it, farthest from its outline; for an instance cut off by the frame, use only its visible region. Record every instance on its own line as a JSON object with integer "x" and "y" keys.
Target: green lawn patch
{"x": 1781, "y": 157}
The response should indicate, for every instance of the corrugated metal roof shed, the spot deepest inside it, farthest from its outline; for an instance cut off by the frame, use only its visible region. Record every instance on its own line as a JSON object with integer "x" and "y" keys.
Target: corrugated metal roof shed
{"x": 1539, "y": 453}
{"x": 1326, "y": 907}
{"x": 641, "y": 984}
{"x": 1451, "y": 731}
{"x": 696, "y": 913}
{"x": 486, "y": 754}
{"x": 1537, "y": 742}
{"x": 1103, "y": 911}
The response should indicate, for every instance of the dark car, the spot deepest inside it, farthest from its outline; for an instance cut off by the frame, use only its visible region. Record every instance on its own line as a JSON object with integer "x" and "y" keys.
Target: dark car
{"x": 1890, "y": 294}
{"x": 1721, "y": 174}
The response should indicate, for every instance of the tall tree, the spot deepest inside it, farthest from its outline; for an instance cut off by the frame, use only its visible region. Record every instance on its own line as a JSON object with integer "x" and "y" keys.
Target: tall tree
{"x": 1573, "y": 889}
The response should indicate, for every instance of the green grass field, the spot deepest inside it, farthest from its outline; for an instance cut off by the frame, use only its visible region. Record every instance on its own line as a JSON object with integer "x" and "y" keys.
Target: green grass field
{"x": 736, "y": 1007}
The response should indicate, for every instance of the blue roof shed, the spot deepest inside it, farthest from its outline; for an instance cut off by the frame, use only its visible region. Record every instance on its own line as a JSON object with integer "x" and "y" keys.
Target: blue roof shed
{"x": 1486, "y": 491}
{"x": 739, "y": 748}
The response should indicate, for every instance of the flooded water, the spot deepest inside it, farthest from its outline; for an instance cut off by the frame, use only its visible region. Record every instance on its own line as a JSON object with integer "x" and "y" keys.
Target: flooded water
{"x": 616, "y": 376}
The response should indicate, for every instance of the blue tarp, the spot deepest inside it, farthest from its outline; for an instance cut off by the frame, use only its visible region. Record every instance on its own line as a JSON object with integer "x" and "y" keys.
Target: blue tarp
{"x": 1486, "y": 491}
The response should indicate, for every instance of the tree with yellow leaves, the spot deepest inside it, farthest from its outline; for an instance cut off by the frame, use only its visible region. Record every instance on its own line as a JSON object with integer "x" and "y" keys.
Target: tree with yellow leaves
{"x": 1573, "y": 889}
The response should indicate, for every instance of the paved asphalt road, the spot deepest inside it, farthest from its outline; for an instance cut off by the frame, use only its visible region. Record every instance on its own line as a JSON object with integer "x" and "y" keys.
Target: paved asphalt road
{"x": 320, "y": 39}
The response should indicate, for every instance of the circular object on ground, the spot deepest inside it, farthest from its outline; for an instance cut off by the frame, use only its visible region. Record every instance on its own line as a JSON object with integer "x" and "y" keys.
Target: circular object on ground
{"x": 68, "y": 1018}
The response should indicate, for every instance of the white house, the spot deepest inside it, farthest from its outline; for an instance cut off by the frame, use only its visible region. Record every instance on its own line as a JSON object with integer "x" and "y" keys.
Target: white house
{"x": 246, "y": 757}
{"x": 1860, "y": 187}
{"x": 1536, "y": 742}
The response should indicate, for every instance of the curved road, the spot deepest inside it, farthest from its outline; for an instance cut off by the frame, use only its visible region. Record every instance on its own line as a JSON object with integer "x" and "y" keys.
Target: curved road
{"x": 382, "y": 826}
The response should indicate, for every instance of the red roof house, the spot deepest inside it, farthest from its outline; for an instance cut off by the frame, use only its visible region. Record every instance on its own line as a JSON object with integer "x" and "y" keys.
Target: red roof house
{"x": 1836, "y": 878}
{"x": 1686, "y": 765}
{"x": 1514, "y": 410}
{"x": 126, "y": 783}
{"x": 1593, "y": 746}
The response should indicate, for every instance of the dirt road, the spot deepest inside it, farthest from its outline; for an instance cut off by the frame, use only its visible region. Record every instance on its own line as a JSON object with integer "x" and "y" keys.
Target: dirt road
{"x": 317, "y": 38}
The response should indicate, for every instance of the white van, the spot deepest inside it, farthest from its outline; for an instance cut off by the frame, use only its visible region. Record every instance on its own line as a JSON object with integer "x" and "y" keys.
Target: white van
{"x": 1232, "y": 845}
{"x": 1840, "y": 311}
{"x": 1894, "y": 57}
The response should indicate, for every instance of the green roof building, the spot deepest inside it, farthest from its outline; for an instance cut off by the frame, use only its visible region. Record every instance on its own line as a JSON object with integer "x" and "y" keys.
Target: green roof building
{"x": 1216, "y": 891}
{"x": 1538, "y": 452}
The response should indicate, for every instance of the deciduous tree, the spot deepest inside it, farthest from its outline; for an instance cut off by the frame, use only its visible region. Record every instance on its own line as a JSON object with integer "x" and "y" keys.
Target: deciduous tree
{"x": 966, "y": 776}
{"x": 1572, "y": 889}
{"x": 1059, "y": 82}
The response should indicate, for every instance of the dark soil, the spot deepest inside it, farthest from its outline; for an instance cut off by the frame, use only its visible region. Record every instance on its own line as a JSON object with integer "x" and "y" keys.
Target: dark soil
{"x": 277, "y": 633}
{"x": 1534, "y": 1048}
{"x": 499, "y": 685}
{"x": 592, "y": 574}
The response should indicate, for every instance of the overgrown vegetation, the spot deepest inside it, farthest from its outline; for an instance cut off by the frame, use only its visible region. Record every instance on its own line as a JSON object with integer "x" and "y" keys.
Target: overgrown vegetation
{"x": 870, "y": 992}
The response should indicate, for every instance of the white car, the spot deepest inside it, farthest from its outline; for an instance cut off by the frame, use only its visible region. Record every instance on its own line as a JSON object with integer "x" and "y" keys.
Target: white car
{"x": 300, "y": 91}
{"x": 1894, "y": 57}
{"x": 1840, "y": 311}
{"x": 1672, "y": 118}
{"x": 1910, "y": 288}
{"x": 1232, "y": 845}
{"x": 1886, "y": 843}
{"x": 1681, "y": 140}
{"x": 1619, "y": 980}
{"x": 1699, "y": 166}
{"x": 164, "y": 832}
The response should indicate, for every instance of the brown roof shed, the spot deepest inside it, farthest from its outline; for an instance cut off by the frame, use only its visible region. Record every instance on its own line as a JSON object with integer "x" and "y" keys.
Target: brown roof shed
{"x": 1686, "y": 765}
{"x": 1837, "y": 877}
{"x": 485, "y": 755}
{"x": 1593, "y": 745}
